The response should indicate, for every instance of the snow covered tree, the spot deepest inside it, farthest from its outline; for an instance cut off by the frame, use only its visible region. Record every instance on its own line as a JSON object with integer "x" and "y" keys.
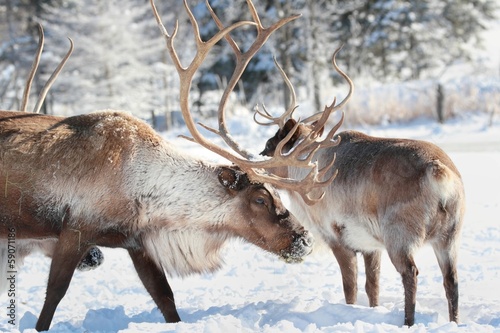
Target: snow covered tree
{"x": 119, "y": 60}
{"x": 113, "y": 65}
{"x": 18, "y": 40}
{"x": 396, "y": 39}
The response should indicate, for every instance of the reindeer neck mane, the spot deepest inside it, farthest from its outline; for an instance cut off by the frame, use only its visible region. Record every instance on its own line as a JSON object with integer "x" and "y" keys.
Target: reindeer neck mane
{"x": 184, "y": 252}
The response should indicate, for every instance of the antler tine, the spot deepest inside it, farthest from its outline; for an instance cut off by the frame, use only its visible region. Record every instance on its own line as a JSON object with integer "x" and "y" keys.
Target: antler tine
{"x": 219, "y": 24}
{"x": 169, "y": 39}
{"x": 318, "y": 125}
{"x": 329, "y": 137}
{"x": 281, "y": 120}
{"x": 255, "y": 15}
{"x": 334, "y": 107}
{"x": 293, "y": 97}
{"x": 53, "y": 77}
{"x": 34, "y": 67}
{"x": 267, "y": 115}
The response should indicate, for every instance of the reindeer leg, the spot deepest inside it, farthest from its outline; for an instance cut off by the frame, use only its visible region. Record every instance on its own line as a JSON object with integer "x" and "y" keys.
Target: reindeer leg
{"x": 446, "y": 255}
{"x": 349, "y": 269}
{"x": 372, "y": 270}
{"x": 405, "y": 265}
{"x": 156, "y": 284}
{"x": 67, "y": 254}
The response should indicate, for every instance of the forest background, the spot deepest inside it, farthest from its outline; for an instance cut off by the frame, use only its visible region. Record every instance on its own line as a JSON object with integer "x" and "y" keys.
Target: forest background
{"x": 407, "y": 58}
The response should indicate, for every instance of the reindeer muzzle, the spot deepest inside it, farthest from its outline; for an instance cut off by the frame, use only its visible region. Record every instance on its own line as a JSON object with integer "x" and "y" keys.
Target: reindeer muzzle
{"x": 301, "y": 246}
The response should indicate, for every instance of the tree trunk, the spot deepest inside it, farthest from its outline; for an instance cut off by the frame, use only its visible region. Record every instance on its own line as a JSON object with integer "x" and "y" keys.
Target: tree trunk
{"x": 440, "y": 103}
{"x": 315, "y": 75}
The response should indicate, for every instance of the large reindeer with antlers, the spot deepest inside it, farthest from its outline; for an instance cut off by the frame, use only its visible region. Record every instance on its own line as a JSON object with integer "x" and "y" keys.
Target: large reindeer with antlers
{"x": 395, "y": 194}
{"x": 107, "y": 179}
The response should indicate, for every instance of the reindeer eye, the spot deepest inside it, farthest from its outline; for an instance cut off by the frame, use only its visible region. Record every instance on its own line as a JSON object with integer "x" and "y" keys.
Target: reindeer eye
{"x": 260, "y": 201}
{"x": 262, "y": 198}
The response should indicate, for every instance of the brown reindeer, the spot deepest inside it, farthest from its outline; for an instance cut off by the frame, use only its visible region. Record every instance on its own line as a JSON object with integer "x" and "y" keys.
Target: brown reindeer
{"x": 107, "y": 179}
{"x": 395, "y": 194}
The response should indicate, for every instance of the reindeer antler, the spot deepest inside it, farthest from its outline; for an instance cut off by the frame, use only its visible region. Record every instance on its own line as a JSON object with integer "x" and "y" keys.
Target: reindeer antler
{"x": 329, "y": 109}
{"x": 310, "y": 144}
{"x": 256, "y": 170}
{"x": 280, "y": 121}
{"x": 34, "y": 68}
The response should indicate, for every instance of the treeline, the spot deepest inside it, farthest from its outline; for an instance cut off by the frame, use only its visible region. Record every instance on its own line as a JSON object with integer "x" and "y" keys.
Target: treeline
{"x": 119, "y": 60}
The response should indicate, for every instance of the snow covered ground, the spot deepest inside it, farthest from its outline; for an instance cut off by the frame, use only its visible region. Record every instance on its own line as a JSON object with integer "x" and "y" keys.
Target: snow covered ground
{"x": 256, "y": 292}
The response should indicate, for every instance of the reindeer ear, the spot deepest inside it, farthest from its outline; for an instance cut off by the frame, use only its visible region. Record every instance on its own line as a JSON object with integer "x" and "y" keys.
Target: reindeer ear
{"x": 233, "y": 178}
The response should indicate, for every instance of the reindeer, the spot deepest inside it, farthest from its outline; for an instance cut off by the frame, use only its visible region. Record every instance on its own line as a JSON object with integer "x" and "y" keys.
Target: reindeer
{"x": 108, "y": 179}
{"x": 395, "y": 194}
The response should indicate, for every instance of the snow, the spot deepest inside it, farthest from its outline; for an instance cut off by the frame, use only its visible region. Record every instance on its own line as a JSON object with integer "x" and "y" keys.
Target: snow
{"x": 256, "y": 292}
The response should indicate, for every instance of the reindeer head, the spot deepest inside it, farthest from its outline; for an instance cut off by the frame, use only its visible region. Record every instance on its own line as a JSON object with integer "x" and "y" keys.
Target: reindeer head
{"x": 263, "y": 219}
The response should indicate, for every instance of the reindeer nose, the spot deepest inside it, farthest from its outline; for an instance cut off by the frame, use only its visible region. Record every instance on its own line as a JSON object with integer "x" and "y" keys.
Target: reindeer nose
{"x": 302, "y": 245}
{"x": 306, "y": 239}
